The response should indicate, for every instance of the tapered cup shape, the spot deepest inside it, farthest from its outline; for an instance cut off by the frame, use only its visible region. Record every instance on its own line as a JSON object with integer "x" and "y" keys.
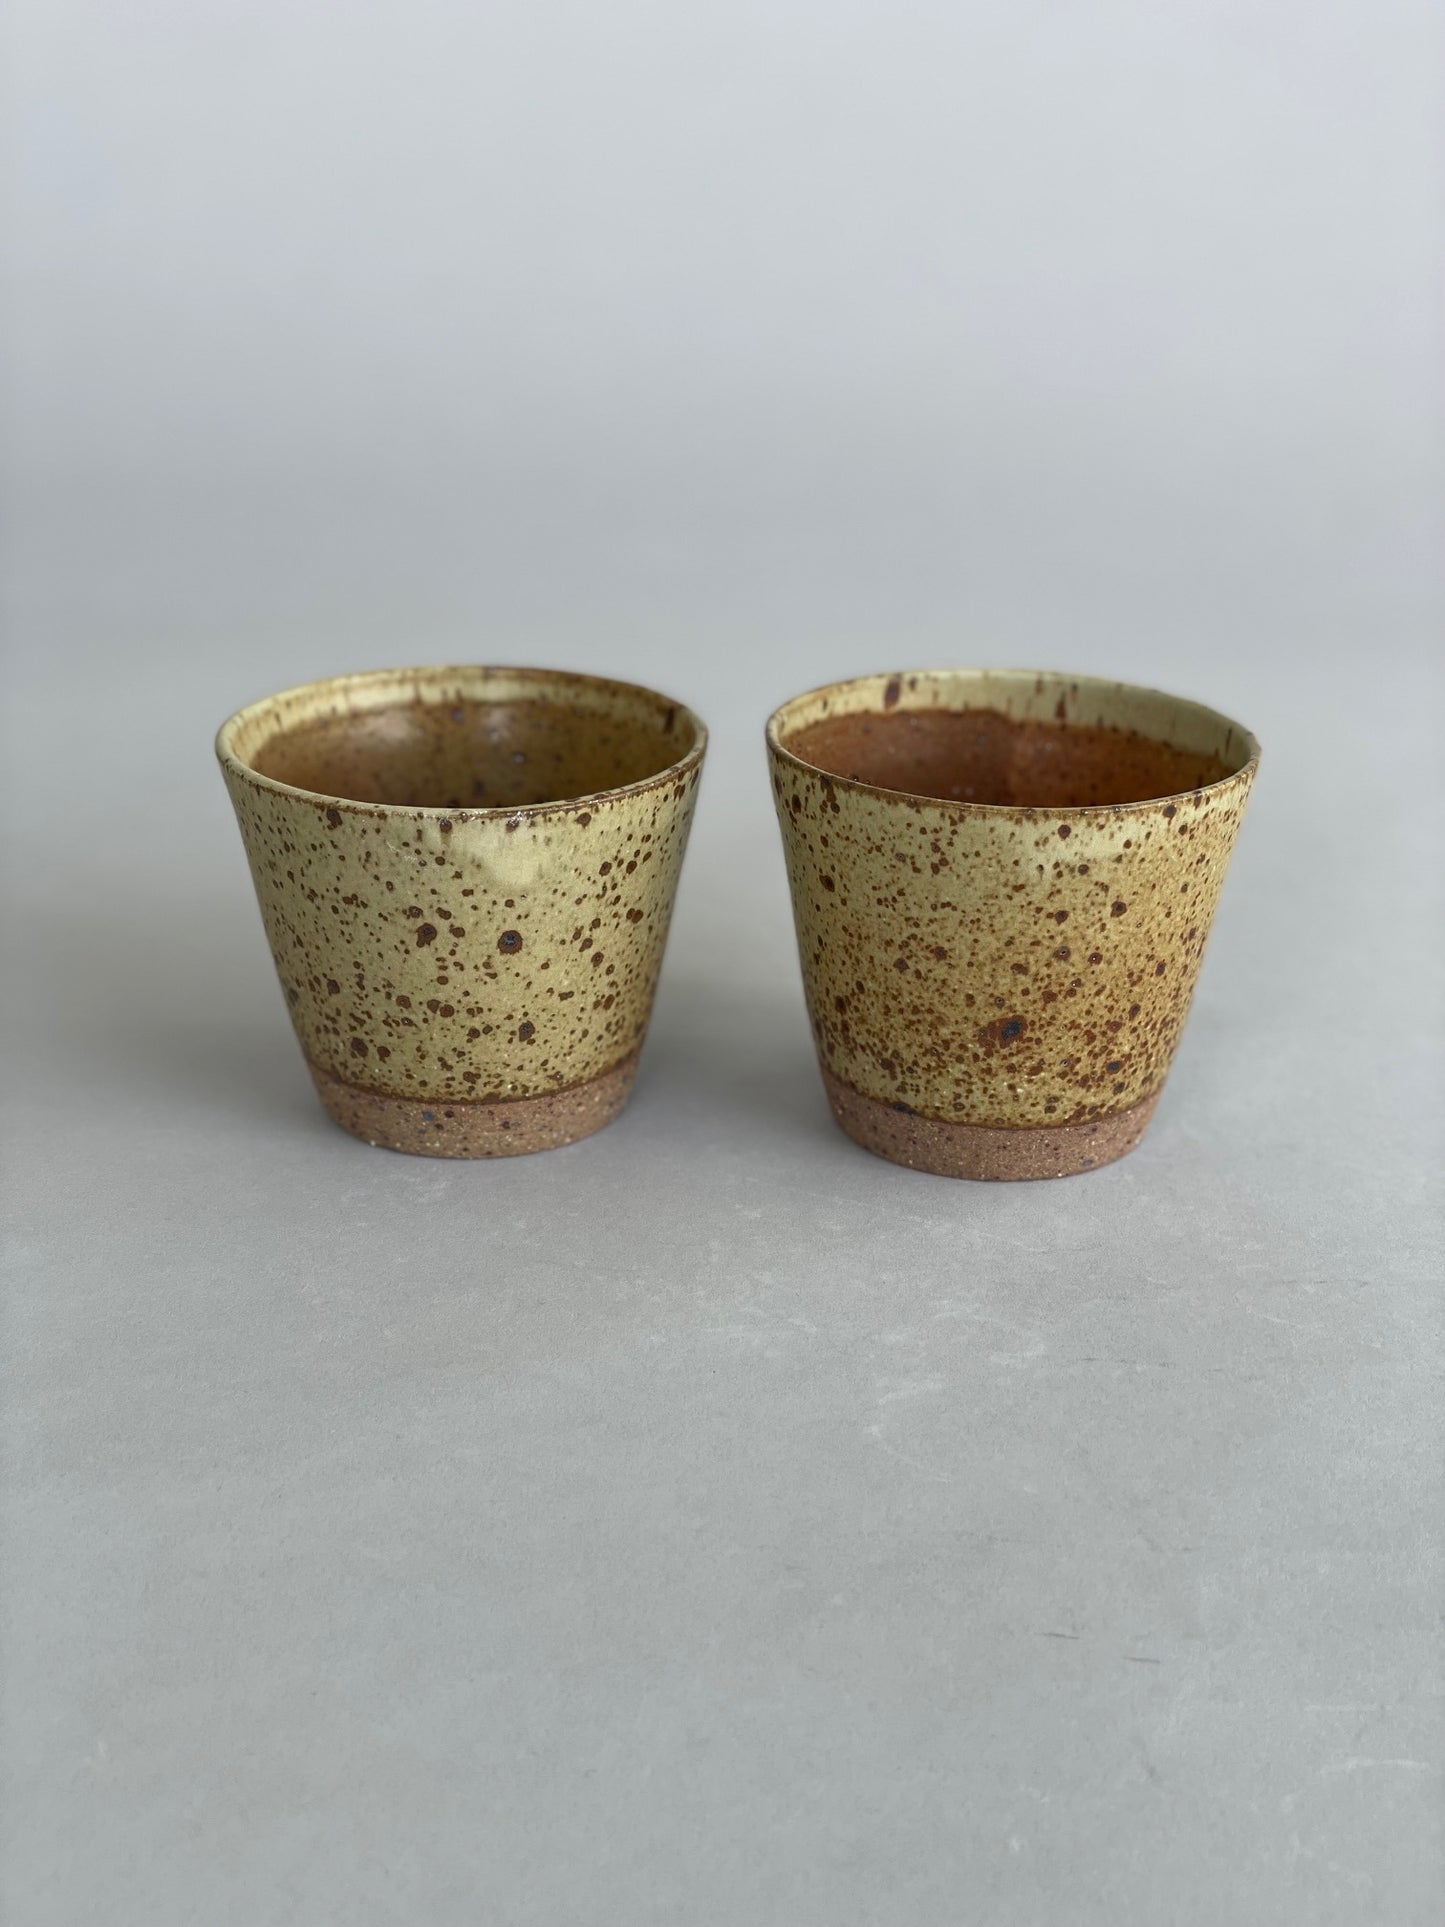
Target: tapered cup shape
{"x": 1002, "y": 884}
{"x": 466, "y": 877}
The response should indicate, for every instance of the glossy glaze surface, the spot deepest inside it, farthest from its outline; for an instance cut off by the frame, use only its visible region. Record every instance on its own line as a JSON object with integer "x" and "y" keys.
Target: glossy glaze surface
{"x": 443, "y": 957}
{"x": 1002, "y": 967}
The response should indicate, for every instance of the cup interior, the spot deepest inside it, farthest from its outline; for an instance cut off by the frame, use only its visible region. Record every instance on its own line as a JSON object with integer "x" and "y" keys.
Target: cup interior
{"x": 1012, "y": 739}
{"x": 463, "y": 739}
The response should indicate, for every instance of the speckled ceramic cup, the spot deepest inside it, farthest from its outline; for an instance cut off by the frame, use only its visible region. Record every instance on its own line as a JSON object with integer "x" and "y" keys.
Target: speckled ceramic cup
{"x": 1002, "y": 884}
{"x": 466, "y": 877}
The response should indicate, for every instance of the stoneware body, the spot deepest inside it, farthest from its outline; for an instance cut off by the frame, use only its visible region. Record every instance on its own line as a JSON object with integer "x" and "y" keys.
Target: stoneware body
{"x": 997, "y": 987}
{"x": 466, "y": 877}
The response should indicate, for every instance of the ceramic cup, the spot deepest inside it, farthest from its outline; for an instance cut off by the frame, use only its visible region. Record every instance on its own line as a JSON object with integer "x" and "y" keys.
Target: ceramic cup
{"x": 1002, "y": 884}
{"x": 466, "y": 878}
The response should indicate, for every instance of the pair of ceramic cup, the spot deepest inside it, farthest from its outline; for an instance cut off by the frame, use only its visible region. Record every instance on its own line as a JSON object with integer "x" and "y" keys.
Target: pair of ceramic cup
{"x": 1002, "y": 884}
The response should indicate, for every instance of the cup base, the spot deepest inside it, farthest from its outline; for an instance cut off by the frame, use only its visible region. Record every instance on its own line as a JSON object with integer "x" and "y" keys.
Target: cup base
{"x": 951, "y": 1150}
{"x": 501, "y": 1127}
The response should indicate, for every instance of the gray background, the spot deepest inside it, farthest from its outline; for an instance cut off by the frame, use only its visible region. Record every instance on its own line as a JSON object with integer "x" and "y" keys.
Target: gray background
{"x": 709, "y": 1523}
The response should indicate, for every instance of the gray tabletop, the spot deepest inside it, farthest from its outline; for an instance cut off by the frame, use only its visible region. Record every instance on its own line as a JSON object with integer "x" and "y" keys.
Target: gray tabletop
{"x": 709, "y": 1525}
{"x": 709, "y": 1522}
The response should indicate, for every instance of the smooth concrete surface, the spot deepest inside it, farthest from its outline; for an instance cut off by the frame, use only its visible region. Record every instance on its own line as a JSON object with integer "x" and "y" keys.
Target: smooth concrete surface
{"x": 709, "y": 1525}
{"x": 710, "y": 1522}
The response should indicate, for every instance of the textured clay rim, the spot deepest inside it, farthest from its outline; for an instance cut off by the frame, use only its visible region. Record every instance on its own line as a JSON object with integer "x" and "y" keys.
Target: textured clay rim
{"x": 1054, "y": 677}
{"x": 431, "y": 674}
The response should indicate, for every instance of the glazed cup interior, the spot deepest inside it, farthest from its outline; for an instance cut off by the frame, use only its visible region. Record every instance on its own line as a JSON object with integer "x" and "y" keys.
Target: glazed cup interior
{"x": 463, "y": 739}
{"x": 1011, "y": 738}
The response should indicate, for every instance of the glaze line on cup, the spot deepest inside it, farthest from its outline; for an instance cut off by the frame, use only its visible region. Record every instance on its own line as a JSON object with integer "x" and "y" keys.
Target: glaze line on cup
{"x": 470, "y": 973}
{"x": 997, "y": 989}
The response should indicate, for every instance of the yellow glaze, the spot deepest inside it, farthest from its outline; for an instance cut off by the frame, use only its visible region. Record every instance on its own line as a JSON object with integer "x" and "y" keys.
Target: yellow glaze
{"x": 456, "y": 955}
{"x": 995, "y": 966}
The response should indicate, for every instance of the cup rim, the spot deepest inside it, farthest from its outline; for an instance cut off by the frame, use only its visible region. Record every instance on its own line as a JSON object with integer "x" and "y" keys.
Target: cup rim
{"x": 431, "y": 674}
{"x": 779, "y": 747}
